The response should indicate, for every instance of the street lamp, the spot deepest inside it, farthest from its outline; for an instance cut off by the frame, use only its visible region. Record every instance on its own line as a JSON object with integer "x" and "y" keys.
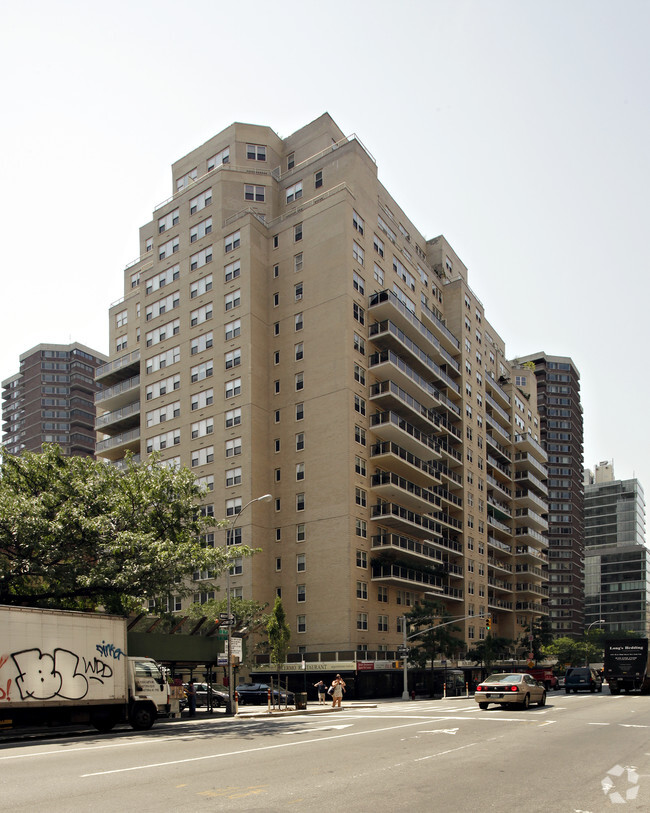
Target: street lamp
{"x": 598, "y": 621}
{"x": 229, "y": 528}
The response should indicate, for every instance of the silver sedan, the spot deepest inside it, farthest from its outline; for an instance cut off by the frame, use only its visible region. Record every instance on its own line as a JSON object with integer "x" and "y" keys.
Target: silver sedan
{"x": 510, "y": 689}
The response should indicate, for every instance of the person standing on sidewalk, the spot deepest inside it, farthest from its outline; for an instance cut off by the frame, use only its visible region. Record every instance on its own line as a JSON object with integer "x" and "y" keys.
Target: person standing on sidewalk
{"x": 321, "y": 688}
{"x": 338, "y": 685}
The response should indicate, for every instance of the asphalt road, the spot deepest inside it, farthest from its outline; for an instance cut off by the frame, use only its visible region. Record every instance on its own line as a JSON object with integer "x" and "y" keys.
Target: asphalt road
{"x": 580, "y": 753}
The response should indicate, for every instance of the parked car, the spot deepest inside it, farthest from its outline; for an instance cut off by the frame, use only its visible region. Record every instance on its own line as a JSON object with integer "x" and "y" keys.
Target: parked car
{"x": 219, "y": 695}
{"x": 510, "y": 689}
{"x": 257, "y": 693}
{"x": 582, "y": 678}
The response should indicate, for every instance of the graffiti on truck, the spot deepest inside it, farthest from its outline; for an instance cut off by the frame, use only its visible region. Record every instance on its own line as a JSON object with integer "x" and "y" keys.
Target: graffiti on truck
{"x": 61, "y": 674}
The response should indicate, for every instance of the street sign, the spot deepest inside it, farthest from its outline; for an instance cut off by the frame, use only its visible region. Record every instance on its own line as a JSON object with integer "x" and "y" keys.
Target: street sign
{"x": 230, "y": 623}
{"x": 222, "y": 635}
{"x": 225, "y": 617}
{"x": 403, "y": 650}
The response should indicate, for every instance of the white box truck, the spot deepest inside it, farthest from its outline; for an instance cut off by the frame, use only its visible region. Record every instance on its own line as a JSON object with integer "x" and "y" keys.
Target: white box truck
{"x": 59, "y": 667}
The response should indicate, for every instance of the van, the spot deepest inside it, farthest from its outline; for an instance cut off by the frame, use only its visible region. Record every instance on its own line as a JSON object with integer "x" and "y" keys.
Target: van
{"x": 582, "y": 678}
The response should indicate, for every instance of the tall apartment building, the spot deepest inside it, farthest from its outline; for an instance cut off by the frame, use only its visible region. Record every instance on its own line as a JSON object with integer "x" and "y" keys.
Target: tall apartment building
{"x": 560, "y": 411}
{"x": 287, "y": 330}
{"x": 617, "y": 559}
{"x": 51, "y": 400}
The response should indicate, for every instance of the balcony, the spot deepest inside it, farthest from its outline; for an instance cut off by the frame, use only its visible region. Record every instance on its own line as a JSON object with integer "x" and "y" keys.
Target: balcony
{"x": 527, "y": 552}
{"x": 530, "y": 516}
{"x": 493, "y": 522}
{"x": 499, "y": 584}
{"x": 494, "y": 388}
{"x": 499, "y": 604}
{"x": 435, "y": 552}
{"x": 524, "y": 460}
{"x": 531, "y": 606}
{"x": 527, "y": 533}
{"x": 116, "y": 447}
{"x": 385, "y": 304}
{"x": 116, "y": 370}
{"x": 120, "y": 419}
{"x": 496, "y": 484}
{"x": 388, "y": 365}
{"x": 501, "y": 451}
{"x": 528, "y": 478}
{"x": 405, "y": 463}
{"x": 526, "y": 497}
{"x": 498, "y": 565}
{"x": 119, "y": 394}
{"x": 529, "y": 587}
{"x": 498, "y": 509}
{"x": 387, "y": 335}
{"x": 392, "y": 427}
{"x": 396, "y": 516}
{"x": 493, "y": 542}
{"x": 390, "y": 486}
{"x": 505, "y": 471}
{"x": 504, "y": 434}
{"x": 525, "y": 442}
{"x": 406, "y": 577}
{"x": 493, "y": 405}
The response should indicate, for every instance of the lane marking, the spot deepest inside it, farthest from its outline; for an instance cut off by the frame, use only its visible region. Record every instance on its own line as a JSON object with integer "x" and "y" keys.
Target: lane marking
{"x": 121, "y": 744}
{"x": 450, "y": 751}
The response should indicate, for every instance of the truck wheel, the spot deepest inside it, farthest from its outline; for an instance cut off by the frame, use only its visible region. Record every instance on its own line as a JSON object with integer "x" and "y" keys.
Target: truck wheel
{"x": 142, "y": 716}
{"x": 103, "y": 723}
{"x": 567, "y": 691}
{"x": 483, "y": 706}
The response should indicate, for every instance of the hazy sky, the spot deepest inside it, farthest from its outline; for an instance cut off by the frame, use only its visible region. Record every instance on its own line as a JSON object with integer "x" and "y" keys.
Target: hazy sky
{"x": 520, "y": 130}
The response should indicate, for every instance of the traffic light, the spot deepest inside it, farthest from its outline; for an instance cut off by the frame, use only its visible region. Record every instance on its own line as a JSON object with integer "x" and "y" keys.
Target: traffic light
{"x": 488, "y": 623}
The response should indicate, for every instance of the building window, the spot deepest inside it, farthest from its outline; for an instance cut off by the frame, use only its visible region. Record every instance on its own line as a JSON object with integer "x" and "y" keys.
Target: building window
{"x": 297, "y": 262}
{"x": 301, "y": 562}
{"x": 299, "y": 351}
{"x": 357, "y": 222}
{"x": 362, "y": 590}
{"x": 233, "y": 447}
{"x": 359, "y": 405}
{"x": 291, "y": 160}
{"x": 300, "y": 502}
{"x": 232, "y": 271}
{"x": 233, "y": 477}
{"x": 168, "y": 248}
{"x": 256, "y": 193}
{"x": 233, "y": 329}
{"x": 300, "y": 533}
{"x": 301, "y": 623}
{"x": 359, "y": 314}
{"x": 233, "y": 358}
{"x": 379, "y": 245}
{"x": 378, "y": 274}
{"x": 360, "y": 466}
{"x": 362, "y": 621}
{"x": 232, "y": 300}
{"x": 200, "y": 230}
{"x": 297, "y": 233}
{"x": 233, "y": 388}
{"x": 300, "y": 471}
{"x": 357, "y": 253}
{"x": 300, "y": 381}
{"x": 360, "y": 435}
{"x": 300, "y": 441}
{"x": 358, "y": 283}
{"x": 360, "y": 497}
{"x": 297, "y": 290}
{"x": 233, "y": 417}
{"x": 359, "y": 374}
{"x": 222, "y": 157}
{"x": 382, "y": 623}
{"x": 201, "y": 371}
{"x": 232, "y": 241}
{"x": 201, "y": 286}
{"x": 301, "y": 593}
{"x": 382, "y": 594}
{"x": 256, "y": 152}
{"x": 318, "y": 179}
{"x": 362, "y": 559}
{"x": 294, "y": 192}
{"x": 201, "y": 258}
{"x": 361, "y": 528}
{"x": 201, "y": 201}
{"x": 298, "y": 322}
{"x": 300, "y": 411}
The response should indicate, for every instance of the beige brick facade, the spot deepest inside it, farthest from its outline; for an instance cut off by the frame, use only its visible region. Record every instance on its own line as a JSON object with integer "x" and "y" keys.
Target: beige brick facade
{"x": 287, "y": 330}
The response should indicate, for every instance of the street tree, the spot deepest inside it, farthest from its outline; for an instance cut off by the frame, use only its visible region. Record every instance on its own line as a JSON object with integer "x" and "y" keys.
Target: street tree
{"x": 536, "y": 636}
{"x": 279, "y": 635}
{"x": 76, "y": 533}
{"x": 491, "y": 649}
{"x": 436, "y": 639}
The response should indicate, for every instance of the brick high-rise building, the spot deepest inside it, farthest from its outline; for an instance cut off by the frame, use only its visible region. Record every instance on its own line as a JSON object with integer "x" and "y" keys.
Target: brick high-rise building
{"x": 288, "y": 330}
{"x": 560, "y": 410}
{"x": 51, "y": 400}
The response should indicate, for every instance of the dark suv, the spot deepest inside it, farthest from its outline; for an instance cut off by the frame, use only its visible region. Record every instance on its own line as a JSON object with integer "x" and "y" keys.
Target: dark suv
{"x": 582, "y": 678}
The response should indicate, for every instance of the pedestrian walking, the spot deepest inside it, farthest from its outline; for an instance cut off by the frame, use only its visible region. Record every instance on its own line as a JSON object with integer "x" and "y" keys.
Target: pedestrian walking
{"x": 336, "y": 690}
{"x": 321, "y": 688}
{"x": 191, "y": 697}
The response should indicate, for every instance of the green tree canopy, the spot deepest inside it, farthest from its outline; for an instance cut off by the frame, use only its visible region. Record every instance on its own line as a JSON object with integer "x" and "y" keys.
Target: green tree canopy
{"x": 279, "y": 633}
{"x": 432, "y": 643}
{"x": 76, "y": 533}
{"x": 248, "y": 612}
